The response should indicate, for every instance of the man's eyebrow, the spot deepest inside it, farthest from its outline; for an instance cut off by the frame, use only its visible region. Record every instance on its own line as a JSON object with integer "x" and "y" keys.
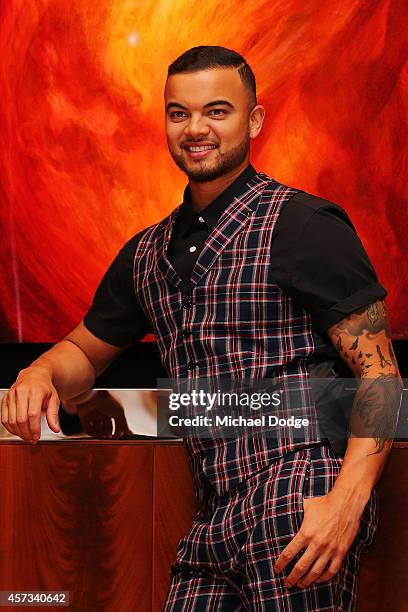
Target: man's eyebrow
{"x": 214, "y": 103}
{"x": 176, "y": 105}
{"x": 219, "y": 103}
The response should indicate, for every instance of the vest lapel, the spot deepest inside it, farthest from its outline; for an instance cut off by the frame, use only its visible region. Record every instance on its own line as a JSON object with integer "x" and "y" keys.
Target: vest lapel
{"x": 233, "y": 220}
{"x": 163, "y": 238}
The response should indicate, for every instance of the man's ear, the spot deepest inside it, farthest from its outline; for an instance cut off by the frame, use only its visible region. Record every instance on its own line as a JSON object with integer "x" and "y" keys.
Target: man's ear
{"x": 256, "y": 119}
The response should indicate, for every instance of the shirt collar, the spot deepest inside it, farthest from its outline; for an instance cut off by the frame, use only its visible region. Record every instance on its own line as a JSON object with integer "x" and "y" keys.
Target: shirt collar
{"x": 214, "y": 210}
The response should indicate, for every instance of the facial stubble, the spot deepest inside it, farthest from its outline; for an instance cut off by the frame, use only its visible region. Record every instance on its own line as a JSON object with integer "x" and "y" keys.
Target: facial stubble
{"x": 224, "y": 163}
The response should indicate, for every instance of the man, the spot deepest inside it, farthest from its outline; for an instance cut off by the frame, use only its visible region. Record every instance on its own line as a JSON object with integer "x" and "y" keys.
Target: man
{"x": 251, "y": 278}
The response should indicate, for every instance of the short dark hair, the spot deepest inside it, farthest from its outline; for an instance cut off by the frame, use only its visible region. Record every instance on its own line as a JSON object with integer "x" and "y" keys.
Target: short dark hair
{"x": 208, "y": 57}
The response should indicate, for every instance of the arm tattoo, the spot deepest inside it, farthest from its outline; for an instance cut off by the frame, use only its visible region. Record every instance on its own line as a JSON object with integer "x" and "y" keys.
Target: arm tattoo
{"x": 376, "y": 311}
{"x": 375, "y": 409}
{"x": 367, "y": 321}
{"x": 376, "y": 404}
{"x": 383, "y": 361}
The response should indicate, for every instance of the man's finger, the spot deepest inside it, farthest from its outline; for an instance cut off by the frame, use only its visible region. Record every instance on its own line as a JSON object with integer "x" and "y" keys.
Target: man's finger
{"x": 291, "y": 550}
{"x": 52, "y": 413}
{"x": 22, "y": 403}
{"x": 24, "y": 427}
{"x": 12, "y": 414}
{"x": 314, "y": 572}
{"x": 331, "y": 570}
{"x": 4, "y": 411}
{"x": 35, "y": 403}
{"x": 302, "y": 566}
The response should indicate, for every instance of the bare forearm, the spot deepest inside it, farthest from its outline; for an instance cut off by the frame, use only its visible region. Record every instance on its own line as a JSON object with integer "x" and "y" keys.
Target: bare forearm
{"x": 69, "y": 368}
{"x": 362, "y": 466}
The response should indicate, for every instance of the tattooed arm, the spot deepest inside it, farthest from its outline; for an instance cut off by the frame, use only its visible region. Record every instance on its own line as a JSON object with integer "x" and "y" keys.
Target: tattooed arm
{"x": 363, "y": 340}
{"x": 331, "y": 522}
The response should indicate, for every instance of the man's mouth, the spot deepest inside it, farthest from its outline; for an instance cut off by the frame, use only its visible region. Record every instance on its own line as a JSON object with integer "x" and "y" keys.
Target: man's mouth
{"x": 198, "y": 151}
{"x": 200, "y": 147}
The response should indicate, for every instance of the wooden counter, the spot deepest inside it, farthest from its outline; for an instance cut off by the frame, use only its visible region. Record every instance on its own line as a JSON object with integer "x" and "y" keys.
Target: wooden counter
{"x": 102, "y": 520}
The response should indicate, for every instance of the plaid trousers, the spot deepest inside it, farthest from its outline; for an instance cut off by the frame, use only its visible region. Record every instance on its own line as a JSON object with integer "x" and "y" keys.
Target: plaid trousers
{"x": 225, "y": 562}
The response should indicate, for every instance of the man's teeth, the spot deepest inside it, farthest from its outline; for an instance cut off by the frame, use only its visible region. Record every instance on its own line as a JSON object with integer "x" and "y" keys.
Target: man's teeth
{"x": 204, "y": 148}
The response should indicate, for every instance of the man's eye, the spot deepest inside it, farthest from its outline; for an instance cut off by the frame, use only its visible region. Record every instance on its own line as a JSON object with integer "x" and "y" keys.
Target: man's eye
{"x": 218, "y": 111}
{"x": 177, "y": 114}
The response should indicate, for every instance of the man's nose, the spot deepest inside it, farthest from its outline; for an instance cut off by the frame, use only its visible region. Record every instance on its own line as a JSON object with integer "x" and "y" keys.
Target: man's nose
{"x": 197, "y": 126}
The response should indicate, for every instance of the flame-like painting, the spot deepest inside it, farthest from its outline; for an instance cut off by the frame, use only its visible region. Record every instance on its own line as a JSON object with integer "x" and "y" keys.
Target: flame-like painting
{"x": 85, "y": 163}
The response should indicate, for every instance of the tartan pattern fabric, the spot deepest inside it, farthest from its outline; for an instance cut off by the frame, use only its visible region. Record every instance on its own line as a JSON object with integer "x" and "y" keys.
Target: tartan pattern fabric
{"x": 240, "y": 323}
{"x": 225, "y": 562}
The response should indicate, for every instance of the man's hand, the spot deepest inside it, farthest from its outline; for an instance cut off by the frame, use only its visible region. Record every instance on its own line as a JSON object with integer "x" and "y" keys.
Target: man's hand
{"x": 21, "y": 407}
{"x": 328, "y": 529}
{"x": 65, "y": 371}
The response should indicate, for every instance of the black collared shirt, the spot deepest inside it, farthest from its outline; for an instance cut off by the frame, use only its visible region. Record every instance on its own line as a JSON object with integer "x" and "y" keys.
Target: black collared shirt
{"x": 316, "y": 257}
{"x": 192, "y": 228}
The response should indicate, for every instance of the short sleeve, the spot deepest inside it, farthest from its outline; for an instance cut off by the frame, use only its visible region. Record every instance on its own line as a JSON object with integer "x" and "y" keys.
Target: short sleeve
{"x": 321, "y": 262}
{"x": 115, "y": 315}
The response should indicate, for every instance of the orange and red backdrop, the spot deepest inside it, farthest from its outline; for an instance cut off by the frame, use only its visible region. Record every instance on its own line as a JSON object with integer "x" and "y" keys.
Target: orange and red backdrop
{"x": 84, "y": 163}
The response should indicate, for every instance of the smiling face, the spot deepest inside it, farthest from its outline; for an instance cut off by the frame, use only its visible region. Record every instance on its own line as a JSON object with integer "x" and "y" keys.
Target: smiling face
{"x": 209, "y": 122}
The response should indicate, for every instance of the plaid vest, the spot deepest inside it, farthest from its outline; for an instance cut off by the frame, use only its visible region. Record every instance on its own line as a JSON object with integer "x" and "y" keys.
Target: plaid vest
{"x": 231, "y": 319}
